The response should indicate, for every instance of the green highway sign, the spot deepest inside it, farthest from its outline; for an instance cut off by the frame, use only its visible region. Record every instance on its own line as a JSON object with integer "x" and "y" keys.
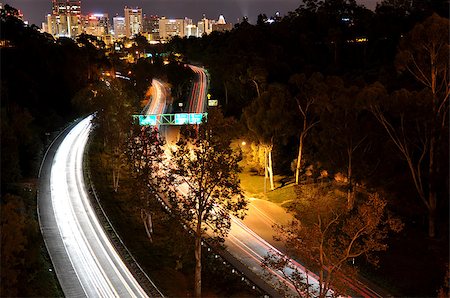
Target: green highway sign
{"x": 147, "y": 120}
{"x": 170, "y": 119}
{"x": 195, "y": 118}
{"x": 181, "y": 119}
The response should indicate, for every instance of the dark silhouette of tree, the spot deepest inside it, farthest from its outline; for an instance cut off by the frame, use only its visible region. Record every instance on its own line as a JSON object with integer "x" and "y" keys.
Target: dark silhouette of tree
{"x": 342, "y": 139}
{"x": 144, "y": 152}
{"x": 13, "y": 243}
{"x": 424, "y": 54}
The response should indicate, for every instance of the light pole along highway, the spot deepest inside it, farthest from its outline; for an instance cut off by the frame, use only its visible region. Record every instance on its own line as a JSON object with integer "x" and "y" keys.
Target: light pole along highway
{"x": 85, "y": 261}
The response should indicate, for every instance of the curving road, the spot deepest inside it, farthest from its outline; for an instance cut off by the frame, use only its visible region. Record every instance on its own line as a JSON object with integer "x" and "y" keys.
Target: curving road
{"x": 197, "y": 100}
{"x": 157, "y": 102}
{"x": 85, "y": 261}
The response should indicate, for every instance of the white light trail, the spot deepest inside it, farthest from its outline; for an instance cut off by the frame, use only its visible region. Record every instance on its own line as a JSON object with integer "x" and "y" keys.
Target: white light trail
{"x": 98, "y": 267}
{"x": 158, "y": 103}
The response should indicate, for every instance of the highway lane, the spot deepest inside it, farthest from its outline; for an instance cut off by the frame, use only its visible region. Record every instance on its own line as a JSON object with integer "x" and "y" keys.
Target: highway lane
{"x": 91, "y": 266}
{"x": 197, "y": 100}
{"x": 157, "y": 102}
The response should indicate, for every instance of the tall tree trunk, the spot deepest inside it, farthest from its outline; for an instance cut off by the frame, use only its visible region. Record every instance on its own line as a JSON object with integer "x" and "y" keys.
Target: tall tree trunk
{"x": 270, "y": 170}
{"x": 432, "y": 215}
{"x": 257, "y": 88}
{"x": 198, "y": 259}
{"x": 226, "y": 94}
{"x": 350, "y": 192}
{"x": 148, "y": 224}
{"x": 265, "y": 169}
{"x": 431, "y": 189}
{"x": 115, "y": 175}
{"x": 299, "y": 158}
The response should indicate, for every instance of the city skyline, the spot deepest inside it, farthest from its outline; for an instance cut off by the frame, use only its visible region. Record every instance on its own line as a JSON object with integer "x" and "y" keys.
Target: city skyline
{"x": 35, "y": 11}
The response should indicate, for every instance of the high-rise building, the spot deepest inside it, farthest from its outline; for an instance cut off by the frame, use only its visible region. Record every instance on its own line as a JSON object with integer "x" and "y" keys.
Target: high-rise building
{"x": 204, "y": 26}
{"x": 151, "y": 27}
{"x": 65, "y": 19}
{"x": 191, "y": 30}
{"x": 133, "y": 21}
{"x": 119, "y": 27}
{"x": 169, "y": 28}
{"x": 66, "y": 7}
{"x": 96, "y": 24}
{"x": 221, "y": 25}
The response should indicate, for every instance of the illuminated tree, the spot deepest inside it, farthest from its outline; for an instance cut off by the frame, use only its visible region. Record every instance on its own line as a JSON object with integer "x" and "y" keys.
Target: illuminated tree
{"x": 269, "y": 119}
{"x": 113, "y": 115}
{"x": 308, "y": 92}
{"x": 205, "y": 171}
{"x": 327, "y": 237}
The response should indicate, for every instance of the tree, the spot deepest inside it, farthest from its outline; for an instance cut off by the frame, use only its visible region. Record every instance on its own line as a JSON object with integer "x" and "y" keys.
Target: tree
{"x": 307, "y": 93}
{"x": 144, "y": 151}
{"x": 13, "y": 243}
{"x": 114, "y": 109}
{"x": 424, "y": 54}
{"x": 204, "y": 164}
{"x": 342, "y": 136}
{"x": 269, "y": 119}
{"x": 327, "y": 237}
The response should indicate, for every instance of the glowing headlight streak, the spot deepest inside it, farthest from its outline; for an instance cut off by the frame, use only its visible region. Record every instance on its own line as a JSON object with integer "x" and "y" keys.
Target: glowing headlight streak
{"x": 97, "y": 265}
{"x": 198, "y": 96}
{"x": 158, "y": 103}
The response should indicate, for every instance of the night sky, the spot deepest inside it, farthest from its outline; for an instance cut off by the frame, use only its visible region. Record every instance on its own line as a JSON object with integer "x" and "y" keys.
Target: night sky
{"x": 35, "y": 10}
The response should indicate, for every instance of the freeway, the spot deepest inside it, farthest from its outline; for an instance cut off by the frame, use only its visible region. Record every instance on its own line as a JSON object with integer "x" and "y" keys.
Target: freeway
{"x": 85, "y": 261}
{"x": 157, "y": 101}
{"x": 197, "y": 100}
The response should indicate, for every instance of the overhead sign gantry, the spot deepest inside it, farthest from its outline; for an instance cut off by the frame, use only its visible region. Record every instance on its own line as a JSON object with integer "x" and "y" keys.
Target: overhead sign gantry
{"x": 170, "y": 119}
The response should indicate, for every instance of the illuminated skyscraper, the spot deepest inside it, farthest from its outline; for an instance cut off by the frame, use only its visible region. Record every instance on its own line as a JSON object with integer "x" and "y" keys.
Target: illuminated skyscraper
{"x": 119, "y": 27}
{"x": 65, "y": 19}
{"x": 72, "y": 7}
{"x": 151, "y": 27}
{"x": 221, "y": 25}
{"x": 204, "y": 26}
{"x": 133, "y": 21}
{"x": 96, "y": 24}
{"x": 169, "y": 28}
